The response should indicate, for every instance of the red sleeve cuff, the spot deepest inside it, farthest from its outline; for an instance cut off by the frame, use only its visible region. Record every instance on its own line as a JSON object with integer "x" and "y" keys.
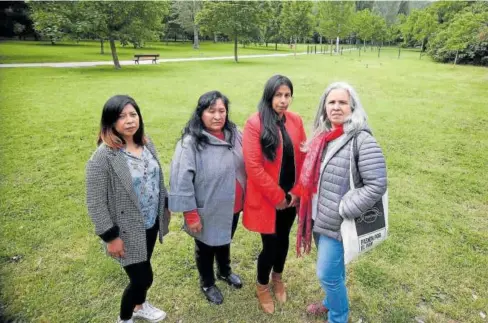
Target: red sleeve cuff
{"x": 296, "y": 190}
{"x": 191, "y": 217}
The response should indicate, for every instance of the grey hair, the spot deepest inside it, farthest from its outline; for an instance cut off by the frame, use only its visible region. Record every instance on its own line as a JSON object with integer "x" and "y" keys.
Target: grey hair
{"x": 355, "y": 122}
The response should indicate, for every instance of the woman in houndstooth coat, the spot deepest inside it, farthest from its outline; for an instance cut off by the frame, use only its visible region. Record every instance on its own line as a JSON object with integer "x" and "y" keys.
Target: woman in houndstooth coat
{"x": 126, "y": 200}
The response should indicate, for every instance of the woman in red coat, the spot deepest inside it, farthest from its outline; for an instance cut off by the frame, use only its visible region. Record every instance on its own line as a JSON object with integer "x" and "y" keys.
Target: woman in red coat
{"x": 271, "y": 144}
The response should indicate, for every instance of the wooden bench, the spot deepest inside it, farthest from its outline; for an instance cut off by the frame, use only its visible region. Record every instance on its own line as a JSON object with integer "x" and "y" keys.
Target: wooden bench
{"x": 143, "y": 57}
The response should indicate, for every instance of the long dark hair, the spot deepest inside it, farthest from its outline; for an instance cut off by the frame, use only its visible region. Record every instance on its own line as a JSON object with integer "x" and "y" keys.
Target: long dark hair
{"x": 195, "y": 126}
{"x": 269, "y": 131}
{"x": 110, "y": 113}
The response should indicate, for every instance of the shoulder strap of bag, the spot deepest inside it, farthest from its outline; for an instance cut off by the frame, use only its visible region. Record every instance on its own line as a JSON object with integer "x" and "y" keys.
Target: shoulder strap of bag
{"x": 354, "y": 155}
{"x": 351, "y": 158}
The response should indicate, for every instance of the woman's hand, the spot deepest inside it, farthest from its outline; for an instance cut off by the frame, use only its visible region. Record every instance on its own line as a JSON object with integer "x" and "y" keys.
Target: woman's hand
{"x": 282, "y": 205}
{"x": 195, "y": 227}
{"x": 295, "y": 200}
{"x": 116, "y": 248}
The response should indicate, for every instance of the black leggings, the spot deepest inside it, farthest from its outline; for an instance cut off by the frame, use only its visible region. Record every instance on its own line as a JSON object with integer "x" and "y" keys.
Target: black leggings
{"x": 140, "y": 277}
{"x": 275, "y": 246}
{"x": 205, "y": 254}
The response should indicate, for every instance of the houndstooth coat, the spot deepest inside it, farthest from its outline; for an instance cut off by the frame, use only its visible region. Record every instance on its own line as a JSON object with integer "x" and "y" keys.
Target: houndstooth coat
{"x": 111, "y": 201}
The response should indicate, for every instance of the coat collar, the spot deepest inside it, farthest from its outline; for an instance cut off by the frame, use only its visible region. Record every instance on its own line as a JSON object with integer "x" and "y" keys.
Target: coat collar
{"x": 342, "y": 141}
{"x": 212, "y": 140}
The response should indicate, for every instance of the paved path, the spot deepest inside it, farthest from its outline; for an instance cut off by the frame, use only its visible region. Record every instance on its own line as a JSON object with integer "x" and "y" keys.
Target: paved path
{"x": 148, "y": 62}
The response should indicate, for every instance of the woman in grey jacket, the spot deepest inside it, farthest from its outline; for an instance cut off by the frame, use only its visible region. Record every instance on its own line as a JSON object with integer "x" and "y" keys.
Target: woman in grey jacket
{"x": 326, "y": 196}
{"x": 208, "y": 184}
{"x": 126, "y": 196}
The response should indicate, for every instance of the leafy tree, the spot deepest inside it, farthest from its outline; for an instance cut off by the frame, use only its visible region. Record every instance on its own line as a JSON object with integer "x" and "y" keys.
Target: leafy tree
{"x": 335, "y": 19}
{"x": 296, "y": 21}
{"x": 363, "y": 25}
{"x": 19, "y": 29}
{"x": 186, "y": 13}
{"x": 463, "y": 37}
{"x": 380, "y": 30}
{"x": 236, "y": 19}
{"x": 270, "y": 22}
{"x": 51, "y": 19}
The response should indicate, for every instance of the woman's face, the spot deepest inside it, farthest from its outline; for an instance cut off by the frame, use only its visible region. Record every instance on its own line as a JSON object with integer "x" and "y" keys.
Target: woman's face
{"x": 128, "y": 122}
{"x": 214, "y": 116}
{"x": 337, "y": 106}
{"x": 281, "y": 99}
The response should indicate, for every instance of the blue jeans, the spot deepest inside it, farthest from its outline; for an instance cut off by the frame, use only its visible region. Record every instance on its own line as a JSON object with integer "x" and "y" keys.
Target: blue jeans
{"x": 331, "y": 272}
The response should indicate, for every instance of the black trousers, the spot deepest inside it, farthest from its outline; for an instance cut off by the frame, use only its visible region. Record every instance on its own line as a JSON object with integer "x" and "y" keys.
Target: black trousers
{"x": 205, "y": 255}
{"x": 140, "y": 277}
{"x": 275, "y": 246}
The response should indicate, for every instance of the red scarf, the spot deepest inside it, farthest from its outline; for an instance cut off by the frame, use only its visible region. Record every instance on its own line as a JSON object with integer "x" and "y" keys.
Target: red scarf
{"x": 309, "y": 179}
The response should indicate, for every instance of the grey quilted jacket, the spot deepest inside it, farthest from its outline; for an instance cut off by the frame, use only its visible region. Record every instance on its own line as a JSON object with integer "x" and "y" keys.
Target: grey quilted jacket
{"x": 111, "y": 201}
{"x": 334, "y": 183}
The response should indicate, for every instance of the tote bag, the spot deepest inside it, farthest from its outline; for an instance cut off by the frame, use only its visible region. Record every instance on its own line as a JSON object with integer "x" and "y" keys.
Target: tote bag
{"x": 365, "y": 232}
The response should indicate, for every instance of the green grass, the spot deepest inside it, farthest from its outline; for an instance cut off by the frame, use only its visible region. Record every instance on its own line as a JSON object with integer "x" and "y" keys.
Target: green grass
{"x": 430, "y": 120}
{"x": 87, "y": 51}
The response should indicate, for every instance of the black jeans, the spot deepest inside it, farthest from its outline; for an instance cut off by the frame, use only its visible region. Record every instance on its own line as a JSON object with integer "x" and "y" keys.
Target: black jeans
{"x": 140, "y": 277}
{"x": 275, "y": 246}
{"x": 205, "y": 254}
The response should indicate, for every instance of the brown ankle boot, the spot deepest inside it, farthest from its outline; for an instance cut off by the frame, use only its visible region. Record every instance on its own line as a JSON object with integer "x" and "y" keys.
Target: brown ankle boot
{"x": 264, "y": 297}
{"x": 278, "y": 287}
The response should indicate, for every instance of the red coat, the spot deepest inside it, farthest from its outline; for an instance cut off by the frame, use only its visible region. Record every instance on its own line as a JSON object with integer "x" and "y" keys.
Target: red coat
{"x": 263, "y": 191}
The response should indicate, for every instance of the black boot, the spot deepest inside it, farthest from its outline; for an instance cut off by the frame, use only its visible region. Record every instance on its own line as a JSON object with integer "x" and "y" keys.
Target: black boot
{"x": 213, "y": 294}
{"x": 233, "y": 280}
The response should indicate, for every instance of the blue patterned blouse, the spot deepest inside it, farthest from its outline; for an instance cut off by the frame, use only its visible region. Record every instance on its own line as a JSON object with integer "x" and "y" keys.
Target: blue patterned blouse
{"x": 145, "y": 180}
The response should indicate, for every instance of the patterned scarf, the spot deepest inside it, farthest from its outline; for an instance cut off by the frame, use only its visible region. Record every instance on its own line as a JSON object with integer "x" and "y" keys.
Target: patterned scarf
{"x": 309, "y": 179}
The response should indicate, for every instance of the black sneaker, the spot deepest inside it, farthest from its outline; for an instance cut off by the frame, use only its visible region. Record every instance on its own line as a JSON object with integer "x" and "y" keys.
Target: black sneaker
{"x": 213, "y": 294}
{"x": 233, "y": 280}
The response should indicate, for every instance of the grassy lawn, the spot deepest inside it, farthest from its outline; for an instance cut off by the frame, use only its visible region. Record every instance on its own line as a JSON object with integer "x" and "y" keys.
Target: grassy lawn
{"x": 87, "y": 51}
{"x": 430, "y": 120}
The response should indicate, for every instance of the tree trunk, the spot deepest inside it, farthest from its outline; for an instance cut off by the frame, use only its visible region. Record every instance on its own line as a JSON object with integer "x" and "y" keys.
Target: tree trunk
{"x": 399, "y": 49}
{"x": 114, "y": 53}
{"x": 331, "y": 47}
{"x": 456, "y": 58}
{"x": 337, "y": 44}
{"x": 295, "y": 55}
{"x": 235, "y": 49}
{"x": 276, "y": 46}
{"x": 102, "y": 51}
{"x": 215, "y": 37}
{"x": 421, "y": 49}
{"x": 320, "y": 40}
{"x": 196, "y": 42}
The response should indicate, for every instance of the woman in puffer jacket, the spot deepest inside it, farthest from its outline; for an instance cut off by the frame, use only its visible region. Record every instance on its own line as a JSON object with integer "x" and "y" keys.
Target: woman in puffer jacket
{"x": 326, "y": 197}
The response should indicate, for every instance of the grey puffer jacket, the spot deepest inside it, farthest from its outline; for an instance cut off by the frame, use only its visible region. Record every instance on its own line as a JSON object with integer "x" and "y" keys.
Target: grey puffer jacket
{"x": 334, "y": 183}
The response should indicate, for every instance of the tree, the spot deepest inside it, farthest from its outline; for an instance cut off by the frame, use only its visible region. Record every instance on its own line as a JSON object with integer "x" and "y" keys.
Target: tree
{"x": 419, "y": 26}
{"x": 335, "y": 20}
{"x": 19, "y": 29}
{"x": 424, "y": 27}
{"x": 380, "y": 31}
{"x": 296, "y": 21}
{"x": 270, "y": 22}
{"x": 134, "y": 21}
{"x": 186, "y": 13}
{"x": 363, "y": 25}
{"x": 463, "y": 37}
{"x": 236, "y": 19}
{"x": 51, "y": 18}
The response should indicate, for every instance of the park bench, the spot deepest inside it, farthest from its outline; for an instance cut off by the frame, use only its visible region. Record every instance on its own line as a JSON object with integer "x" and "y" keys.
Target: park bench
{"x": 153, "y": 57}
